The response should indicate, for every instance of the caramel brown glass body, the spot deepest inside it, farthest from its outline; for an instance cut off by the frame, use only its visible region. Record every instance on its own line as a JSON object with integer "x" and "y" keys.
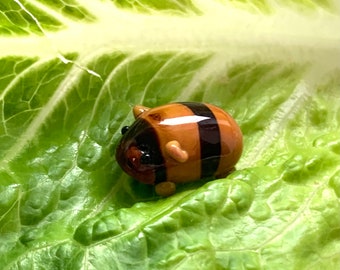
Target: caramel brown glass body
{"x": 179, "y": 142}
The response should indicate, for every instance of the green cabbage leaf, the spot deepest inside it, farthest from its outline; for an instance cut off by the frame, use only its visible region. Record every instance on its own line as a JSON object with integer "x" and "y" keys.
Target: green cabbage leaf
{"x": 70, "y": 72}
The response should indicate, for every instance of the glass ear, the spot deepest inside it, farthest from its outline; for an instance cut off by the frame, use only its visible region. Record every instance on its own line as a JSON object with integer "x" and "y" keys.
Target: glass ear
{"x": 124, "y": 130}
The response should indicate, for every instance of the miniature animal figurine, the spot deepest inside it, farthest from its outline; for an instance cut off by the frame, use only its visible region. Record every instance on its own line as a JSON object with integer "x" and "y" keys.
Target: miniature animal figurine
{"x": 177, "y": 143}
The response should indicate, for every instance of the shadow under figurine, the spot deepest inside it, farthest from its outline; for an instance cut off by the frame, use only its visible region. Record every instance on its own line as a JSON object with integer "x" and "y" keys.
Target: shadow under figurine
{"x": 178, "y": 143}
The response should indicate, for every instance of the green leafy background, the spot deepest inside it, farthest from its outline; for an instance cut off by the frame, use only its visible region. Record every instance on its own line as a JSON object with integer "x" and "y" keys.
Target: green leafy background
{"x": 70, "y": 73}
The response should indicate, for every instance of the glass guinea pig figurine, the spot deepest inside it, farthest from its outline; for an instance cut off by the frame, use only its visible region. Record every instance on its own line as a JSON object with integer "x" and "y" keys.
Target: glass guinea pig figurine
{"x": 178, "y": 143}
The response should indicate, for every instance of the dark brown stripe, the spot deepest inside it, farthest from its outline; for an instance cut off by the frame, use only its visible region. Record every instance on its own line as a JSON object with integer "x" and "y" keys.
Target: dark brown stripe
{"x": 210, "y": 138}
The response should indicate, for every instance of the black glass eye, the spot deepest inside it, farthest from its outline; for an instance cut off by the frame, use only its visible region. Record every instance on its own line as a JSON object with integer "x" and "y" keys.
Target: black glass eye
{"x": 146, "y": 155}
{"x": 145, "y": 158}
{"x": 124, "y": 130}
